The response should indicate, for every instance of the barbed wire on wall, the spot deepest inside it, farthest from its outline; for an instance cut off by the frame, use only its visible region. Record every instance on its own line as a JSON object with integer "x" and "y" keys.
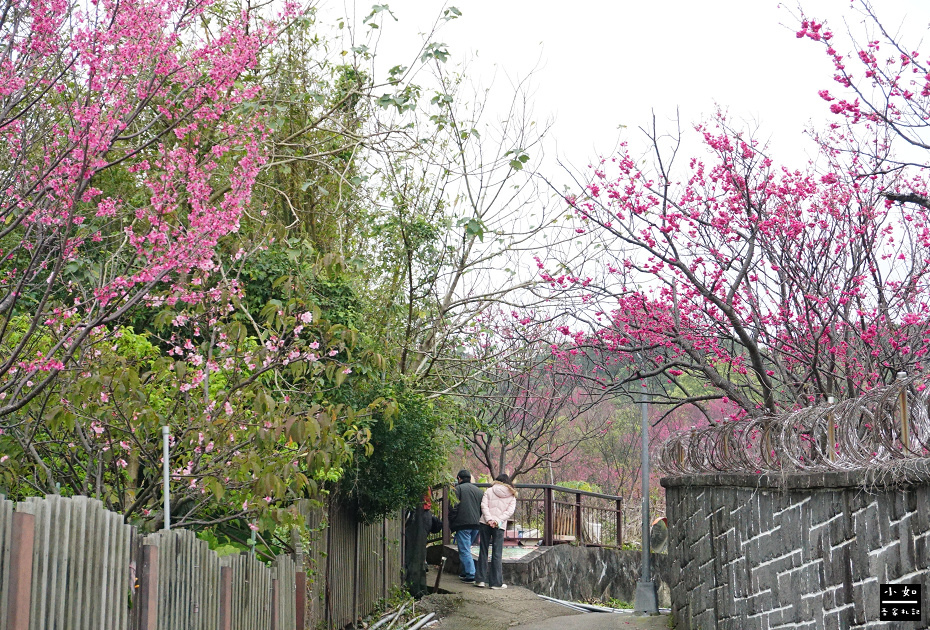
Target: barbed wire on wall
{"x": 858, "y": 433}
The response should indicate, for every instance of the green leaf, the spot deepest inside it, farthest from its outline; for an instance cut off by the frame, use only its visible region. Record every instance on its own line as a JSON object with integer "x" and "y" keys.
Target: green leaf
{"x": 375, "y": 10}
{"x": 396, "y": 72}
{"x": 441, "y": 99}
{"x": 473, "y": 227}
{"x": 216, "y": 487}
{"x": 298, "y": 430}
{"x": 437, "y": 51}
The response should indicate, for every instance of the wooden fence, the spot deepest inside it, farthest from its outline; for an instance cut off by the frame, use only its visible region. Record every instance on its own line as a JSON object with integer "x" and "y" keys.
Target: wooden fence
{"x": 69, "y": 564}
{"x": 351, "y": 565}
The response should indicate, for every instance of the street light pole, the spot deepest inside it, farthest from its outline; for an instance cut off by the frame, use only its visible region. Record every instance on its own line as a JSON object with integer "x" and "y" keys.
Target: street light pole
{"x": 647, "y": 601}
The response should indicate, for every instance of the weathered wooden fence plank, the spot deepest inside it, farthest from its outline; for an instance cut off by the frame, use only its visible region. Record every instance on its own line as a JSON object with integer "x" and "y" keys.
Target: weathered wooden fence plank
{"x": 300, "y": 600}
{"x": 88, "y": 568}
{"x": 6, "y": 542}
{"x": 147, "y": 594}
{"x": 284, "y": 570}
{"x": 39, "y": 560}
{"x": 108, "y": 613}
{"x": 96, "y": 548}
{"x": 78, "y": 534}
{"x": 21, "y": 565}
{"x": 225, "y": 613}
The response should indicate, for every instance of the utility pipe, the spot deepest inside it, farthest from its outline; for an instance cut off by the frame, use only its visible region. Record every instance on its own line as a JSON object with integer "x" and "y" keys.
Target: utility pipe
{"x": 165, "y": 466}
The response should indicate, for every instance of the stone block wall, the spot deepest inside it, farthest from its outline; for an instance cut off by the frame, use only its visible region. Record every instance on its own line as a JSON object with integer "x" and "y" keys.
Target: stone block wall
{"x": 794, "y": 551}
{"x": 575, "y": 573}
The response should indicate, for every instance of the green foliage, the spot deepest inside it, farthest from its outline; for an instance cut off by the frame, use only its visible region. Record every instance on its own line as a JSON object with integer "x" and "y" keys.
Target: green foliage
{"x": 610, "y": 602}
{"x": 250, "y": 434}
{"x": 293, "y": 267}
{"x": 581, "y": 485}
{"x": 409, "y": 455}
{"x": 222, "y": 544}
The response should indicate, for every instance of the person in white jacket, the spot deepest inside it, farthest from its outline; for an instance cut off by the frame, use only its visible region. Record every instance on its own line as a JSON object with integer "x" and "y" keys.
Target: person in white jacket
{"x": 497, "y": 506}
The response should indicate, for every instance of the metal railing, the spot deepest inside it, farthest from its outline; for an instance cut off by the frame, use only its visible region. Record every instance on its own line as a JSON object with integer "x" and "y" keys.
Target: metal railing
{"x": 548, "y": 514}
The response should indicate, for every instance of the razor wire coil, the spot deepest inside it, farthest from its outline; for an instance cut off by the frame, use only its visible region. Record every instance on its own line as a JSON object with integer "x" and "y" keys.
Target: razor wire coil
{"x": 883, "y": 426}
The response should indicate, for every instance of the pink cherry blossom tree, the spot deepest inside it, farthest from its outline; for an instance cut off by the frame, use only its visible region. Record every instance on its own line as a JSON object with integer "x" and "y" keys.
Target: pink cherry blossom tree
{"x": 520, "y": 411}
{"x": 766, "y": 287}
{"x": 137, "y": 97}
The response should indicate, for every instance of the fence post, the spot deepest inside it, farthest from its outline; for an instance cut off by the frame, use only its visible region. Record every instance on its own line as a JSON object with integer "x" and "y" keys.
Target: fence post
{"x": 578, "y": 537}
{"x": 148, "y": 588}
{"x": 20, "y": 598}
{"x": 328, "y": 582}
{"x": 384, "y": 569}
{"x": 547, "y": 519}
{"x": 274, "y": 604}
{"x": 301, "y": 585}
{"x": 225, "y": 598}
{"x": 356, "y": 575}
{"x": 619, "y": 523}
{"x": 446, "y": 528}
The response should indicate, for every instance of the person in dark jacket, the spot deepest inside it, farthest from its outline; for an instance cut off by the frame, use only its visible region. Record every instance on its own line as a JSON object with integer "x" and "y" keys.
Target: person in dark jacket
{"x": 420, "y": 523}
{"x": 465, "y": 522}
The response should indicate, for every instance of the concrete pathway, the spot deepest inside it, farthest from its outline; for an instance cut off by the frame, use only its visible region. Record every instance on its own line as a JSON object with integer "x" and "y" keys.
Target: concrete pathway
{"x": 466, "y": 607}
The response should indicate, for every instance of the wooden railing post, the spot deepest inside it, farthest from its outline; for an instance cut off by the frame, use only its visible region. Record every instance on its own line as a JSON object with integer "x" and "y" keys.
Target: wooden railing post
{"x": 619, "y": 523}
{"x": 446, "y": 527}
{"x": 148, "y": 588}
{"x": 905, "y": 419}
{"x": 301, "y": 600}
{"x": 578, "y": 537}
{"x": 547, "y": 519}
{"x": 225, "y": 598}
{"x": 20, "y": 596}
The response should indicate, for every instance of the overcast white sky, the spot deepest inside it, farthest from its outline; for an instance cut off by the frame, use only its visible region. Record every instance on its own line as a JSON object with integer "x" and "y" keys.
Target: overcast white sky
{"x": 602, "y": 64}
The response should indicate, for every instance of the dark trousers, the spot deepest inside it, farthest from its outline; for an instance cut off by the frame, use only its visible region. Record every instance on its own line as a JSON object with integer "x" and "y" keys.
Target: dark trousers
{"x": 494, "y": 576}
